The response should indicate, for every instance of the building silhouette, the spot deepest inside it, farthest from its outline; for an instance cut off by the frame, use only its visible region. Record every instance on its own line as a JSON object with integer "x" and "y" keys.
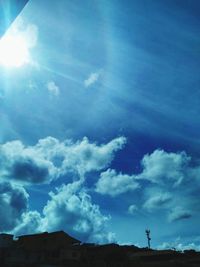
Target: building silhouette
{"x": 58, "y": 249}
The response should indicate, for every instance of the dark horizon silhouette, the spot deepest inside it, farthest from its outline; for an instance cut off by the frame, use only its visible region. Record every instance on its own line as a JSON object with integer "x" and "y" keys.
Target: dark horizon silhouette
{"x": 60, "y": 249}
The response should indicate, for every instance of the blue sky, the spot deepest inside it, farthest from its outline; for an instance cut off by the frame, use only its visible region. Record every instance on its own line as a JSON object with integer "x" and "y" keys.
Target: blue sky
{"x": 100, "y": 121}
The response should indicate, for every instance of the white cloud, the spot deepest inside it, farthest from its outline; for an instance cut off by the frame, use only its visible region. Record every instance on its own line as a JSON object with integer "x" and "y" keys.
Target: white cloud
{"x": 49, "y": 159}
{"x": 114, "y": 184}
{"x": 86, "y": 157}
{"x": 179, "y": 245}
{"x": 81, "y": 156}
{"x": 53, "y": 88}
{"x": 162, "y": 167}
{"x": 182, "y": 247}
{"x": 177, "y": 176}
{"x": 24, "y": 164}
{"x": 172, "y": 179}
{"x": 31, "y": 222}
{"x": 72, "y": 210}
{"x": 93, "y": 78}
{"x": 13, "y": 203}
{"x": 132, "y": 209}
{"x": 158, "y": 201}
{"x": 179, "y": 213}
{"x": 167, "y": 182}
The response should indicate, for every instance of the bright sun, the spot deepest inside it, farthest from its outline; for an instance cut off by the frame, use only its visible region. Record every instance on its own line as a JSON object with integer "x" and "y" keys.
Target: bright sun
{"x": 13, "y": 50}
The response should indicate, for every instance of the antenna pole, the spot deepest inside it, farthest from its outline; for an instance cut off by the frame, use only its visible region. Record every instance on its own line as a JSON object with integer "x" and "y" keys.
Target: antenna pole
{"x": 148, "y": 238}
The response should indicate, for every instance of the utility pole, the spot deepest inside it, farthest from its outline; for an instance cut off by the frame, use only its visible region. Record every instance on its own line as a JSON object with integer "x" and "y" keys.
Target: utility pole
{"x": 148, "y": 238}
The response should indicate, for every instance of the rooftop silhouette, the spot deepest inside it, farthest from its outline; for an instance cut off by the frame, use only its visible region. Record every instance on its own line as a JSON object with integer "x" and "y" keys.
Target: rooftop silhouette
{"x": 60, "y": 249}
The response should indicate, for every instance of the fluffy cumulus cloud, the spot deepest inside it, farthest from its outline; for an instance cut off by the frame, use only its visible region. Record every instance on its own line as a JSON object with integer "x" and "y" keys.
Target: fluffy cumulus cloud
{"x": 93, "y": 78}
{"x": 13, "y": 203}
{"x": 72, "y": 210}
{"x": 24, "y": 164}
{"x": 167, "y": 182}
{"x": 164, "y": 167}
{"x": 113, "y": 184}
{"x": 161, "y": 169}
{"x": 50, "y": 159}
{"x": 53, "y": 89}
{"x": 31, "y": 222}
{"x": 84, "y": 156}
{"x": 172, "y": 180}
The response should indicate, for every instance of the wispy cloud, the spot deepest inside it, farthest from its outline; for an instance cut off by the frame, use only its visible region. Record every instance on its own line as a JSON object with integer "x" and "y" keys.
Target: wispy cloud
{"x": 132, "y": 209}
{"x": 157, "y": 201}
{"x": 179, "y": 214}
{"x": 93, "y": 78}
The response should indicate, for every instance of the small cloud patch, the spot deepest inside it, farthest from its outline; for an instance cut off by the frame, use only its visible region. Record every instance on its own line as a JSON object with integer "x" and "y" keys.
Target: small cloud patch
{"x": 53, "y": 89}
{"x": 132, "y": 209}
{"x": 93, "y": 78}
{"x": 179, "y": 214}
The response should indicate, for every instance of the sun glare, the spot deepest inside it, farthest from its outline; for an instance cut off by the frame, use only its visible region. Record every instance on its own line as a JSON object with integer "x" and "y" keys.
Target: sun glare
{"x": 13, "y": 51}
